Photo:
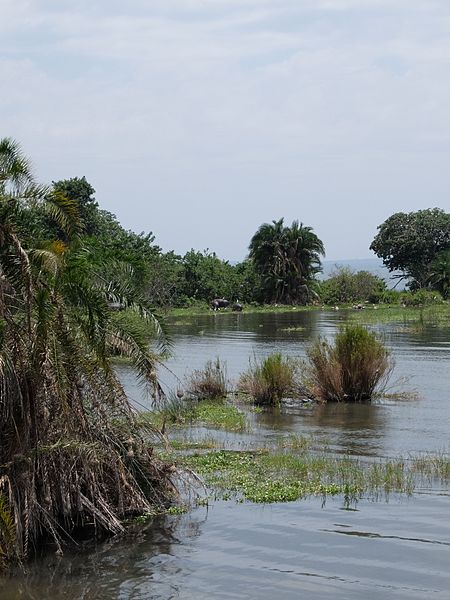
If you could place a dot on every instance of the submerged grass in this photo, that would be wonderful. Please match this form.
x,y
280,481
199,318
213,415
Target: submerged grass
x,y
418,317
218,414
208,383
271,379
265,476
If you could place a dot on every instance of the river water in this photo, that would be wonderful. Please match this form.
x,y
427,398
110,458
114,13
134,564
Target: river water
x,y
301,550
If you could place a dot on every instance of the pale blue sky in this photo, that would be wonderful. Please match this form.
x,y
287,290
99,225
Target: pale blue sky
x,y
201,119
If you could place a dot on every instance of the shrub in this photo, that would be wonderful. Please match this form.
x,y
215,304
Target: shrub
x,y
270,380
421,298
208,383
345,286
351,369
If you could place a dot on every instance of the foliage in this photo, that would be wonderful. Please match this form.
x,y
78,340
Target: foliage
x,y
352,369
206,276
72,453
420,298
79,191
287,260
411,242
218,414
265,476
439,277
270,380
208,383
7,532
345,286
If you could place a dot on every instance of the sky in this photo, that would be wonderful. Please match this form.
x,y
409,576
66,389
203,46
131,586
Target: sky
x,y
199,120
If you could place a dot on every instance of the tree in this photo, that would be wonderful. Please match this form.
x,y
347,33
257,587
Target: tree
x,y
346,286
287,260
410,242
439,278
206,276
71,451
80,191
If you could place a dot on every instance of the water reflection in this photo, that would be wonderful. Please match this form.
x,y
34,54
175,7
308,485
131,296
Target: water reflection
x,y
420,353
119,568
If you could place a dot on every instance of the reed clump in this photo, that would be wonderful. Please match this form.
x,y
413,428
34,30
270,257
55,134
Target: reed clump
x,y
353,368
208,383
270,380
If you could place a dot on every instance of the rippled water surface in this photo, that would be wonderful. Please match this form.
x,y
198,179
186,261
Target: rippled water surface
x,y
306,549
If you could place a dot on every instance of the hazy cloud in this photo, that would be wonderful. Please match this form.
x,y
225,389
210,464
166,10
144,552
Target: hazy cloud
x,y
200,119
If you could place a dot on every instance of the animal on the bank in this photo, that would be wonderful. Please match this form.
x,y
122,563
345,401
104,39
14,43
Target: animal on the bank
x,y
219,303
237,307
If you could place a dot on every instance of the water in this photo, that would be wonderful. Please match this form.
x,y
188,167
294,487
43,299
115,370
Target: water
x,y
307,549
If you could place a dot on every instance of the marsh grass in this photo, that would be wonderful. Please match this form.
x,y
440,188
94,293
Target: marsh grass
x,y
217,414
270,380
265,476
413,317
353,368
208,383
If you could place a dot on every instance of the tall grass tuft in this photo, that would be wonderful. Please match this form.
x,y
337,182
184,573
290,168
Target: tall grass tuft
x,y
208,383
270,380
352,369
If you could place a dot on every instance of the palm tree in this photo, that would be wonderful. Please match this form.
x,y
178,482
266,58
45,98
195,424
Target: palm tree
x,y
287,260
71,452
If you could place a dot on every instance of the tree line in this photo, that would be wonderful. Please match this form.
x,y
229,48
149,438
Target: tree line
x,y
281,267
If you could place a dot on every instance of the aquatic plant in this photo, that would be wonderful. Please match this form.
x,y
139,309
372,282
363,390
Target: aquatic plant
x,y
271,379
208,383
218,414
266,476
351,369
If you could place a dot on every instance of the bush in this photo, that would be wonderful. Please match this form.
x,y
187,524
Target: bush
x,y
352,369
420,298
208,383
271,380
345,286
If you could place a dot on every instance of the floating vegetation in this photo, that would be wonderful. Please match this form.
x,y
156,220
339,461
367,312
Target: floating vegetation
x,y
418,317
264,476
205,443
219,414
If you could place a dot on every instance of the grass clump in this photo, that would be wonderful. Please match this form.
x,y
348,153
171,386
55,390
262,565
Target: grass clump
x,y
270,380
352,369
218,414
208,383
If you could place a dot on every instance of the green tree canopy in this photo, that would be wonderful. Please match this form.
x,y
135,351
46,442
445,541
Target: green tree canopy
x,y
344,285
287,260
79,190
410,242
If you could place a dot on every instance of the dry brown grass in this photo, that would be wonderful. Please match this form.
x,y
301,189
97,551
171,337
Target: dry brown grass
x,y
352,369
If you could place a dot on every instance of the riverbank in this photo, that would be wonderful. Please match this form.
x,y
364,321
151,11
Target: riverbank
x,y
436,314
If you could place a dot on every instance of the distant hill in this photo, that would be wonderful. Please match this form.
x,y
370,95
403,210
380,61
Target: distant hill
x,y
373,265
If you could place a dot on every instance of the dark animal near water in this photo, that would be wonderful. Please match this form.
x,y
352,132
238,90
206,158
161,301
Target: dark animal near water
x,y
237,307
219,303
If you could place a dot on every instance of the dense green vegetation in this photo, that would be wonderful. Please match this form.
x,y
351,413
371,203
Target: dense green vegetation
x,y
72,453
417,244
77,289
287,259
